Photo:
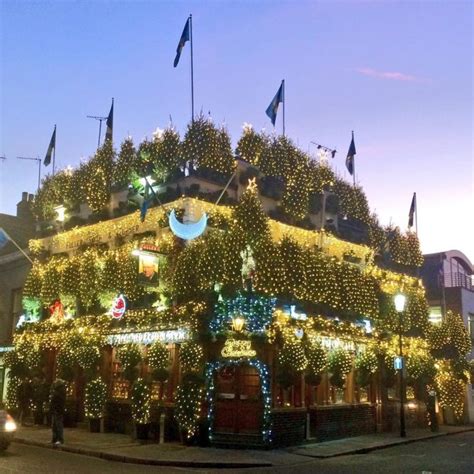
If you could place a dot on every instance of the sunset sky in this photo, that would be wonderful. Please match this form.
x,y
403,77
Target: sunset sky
x,y
397,73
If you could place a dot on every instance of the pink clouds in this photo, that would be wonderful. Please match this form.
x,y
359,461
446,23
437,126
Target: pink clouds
x,y
392,76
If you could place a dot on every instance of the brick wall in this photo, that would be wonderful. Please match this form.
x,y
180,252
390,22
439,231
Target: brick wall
x,y
415,415
341,421
288,426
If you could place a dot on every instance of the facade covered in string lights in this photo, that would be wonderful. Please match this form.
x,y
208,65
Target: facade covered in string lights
x,y
274,325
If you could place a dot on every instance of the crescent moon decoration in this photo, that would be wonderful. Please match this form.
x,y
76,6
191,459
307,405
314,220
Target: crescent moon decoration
x,y
187,231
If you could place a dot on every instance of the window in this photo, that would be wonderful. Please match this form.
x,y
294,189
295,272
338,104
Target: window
x,y
435,316
470,323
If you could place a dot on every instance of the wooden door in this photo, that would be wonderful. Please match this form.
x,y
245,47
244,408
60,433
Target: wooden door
x,y
238,400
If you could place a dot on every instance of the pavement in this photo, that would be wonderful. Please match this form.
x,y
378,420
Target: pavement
x,y
121,448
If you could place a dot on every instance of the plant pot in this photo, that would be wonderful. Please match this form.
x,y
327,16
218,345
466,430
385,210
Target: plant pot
x,y
142,431
94,425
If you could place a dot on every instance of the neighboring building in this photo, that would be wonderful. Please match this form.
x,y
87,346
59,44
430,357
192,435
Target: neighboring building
x,y
14,268
448,279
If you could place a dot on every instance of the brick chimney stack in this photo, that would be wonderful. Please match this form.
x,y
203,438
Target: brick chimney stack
x,y
23,208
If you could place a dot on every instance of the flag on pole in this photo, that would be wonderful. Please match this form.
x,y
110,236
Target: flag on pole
x,y
272,109
110,123
412,211
182,41
51,147
4,238
350,156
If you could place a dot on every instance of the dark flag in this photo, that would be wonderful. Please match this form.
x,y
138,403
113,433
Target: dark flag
x,y
51,147
412,211
350,156
182,41
110,123
272,109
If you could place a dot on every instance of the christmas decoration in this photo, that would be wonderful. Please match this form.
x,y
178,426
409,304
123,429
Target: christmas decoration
x,y
191,356
98,184
141,402
339,365
188,407
158,360
95,399
130,356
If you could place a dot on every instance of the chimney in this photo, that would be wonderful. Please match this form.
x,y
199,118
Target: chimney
x,y
23,208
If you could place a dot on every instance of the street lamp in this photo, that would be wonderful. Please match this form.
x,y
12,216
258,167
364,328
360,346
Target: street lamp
x,y
400,306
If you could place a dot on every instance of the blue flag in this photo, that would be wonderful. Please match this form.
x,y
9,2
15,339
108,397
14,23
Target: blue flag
x,y
110,123
182,41
4,238
51,147
272,109
350,156
412,211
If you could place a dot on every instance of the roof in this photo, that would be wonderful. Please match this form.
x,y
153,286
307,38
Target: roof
x,y
20,230
452,254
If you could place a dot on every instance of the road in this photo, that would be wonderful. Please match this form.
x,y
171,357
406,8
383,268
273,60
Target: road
x,y
450,454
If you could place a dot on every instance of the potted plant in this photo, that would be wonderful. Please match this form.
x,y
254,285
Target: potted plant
x,y
339,365
158,361
141,408
94,404
317,363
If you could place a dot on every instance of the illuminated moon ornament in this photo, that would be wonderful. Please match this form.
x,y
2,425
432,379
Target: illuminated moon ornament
x,y
187,231
119,306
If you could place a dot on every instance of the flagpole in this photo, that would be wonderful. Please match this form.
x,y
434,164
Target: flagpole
x,y
284,101
17,246
192,66
54,150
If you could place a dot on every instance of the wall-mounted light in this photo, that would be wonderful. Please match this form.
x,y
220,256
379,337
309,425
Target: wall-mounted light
x,y
61,212
238,323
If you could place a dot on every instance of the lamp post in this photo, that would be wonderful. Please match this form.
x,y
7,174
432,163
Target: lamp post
x,y
400,306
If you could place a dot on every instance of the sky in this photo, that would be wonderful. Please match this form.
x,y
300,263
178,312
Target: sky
x,y
400,74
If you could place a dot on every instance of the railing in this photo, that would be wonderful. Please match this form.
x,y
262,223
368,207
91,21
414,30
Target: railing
x,y
458,280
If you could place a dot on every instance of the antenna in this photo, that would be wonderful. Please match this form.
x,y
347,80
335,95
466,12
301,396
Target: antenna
x,y
38,160
100,119
332,151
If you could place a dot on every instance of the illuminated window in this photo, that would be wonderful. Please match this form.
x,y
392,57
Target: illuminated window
x,y
436,316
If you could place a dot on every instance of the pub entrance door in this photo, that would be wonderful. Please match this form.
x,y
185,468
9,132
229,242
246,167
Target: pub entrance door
x,y
238,400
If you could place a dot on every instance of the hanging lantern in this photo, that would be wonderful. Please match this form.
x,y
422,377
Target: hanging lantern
x,y
238,323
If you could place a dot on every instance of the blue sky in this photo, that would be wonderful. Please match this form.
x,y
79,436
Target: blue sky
x,y
397,73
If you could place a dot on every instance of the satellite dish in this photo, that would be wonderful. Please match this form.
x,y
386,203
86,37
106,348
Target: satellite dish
x,y
187,231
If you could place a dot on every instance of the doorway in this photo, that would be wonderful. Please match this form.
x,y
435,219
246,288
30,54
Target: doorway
x,y
238,400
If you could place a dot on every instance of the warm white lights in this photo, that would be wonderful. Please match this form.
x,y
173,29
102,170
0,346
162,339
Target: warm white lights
x,y
399,301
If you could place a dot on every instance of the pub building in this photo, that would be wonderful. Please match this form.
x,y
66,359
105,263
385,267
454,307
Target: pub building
x,y
219,323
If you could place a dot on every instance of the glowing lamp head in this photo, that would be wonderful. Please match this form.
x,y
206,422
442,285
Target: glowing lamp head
x,y
238,323
399,301
10,424
61,213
